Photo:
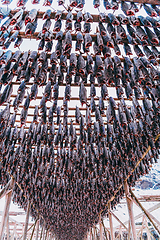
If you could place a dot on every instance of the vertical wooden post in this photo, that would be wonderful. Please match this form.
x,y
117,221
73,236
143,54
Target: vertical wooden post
x,y
26,222
41,232
110,221
6,210
145,212
130,210
8,226
100,228
33,229
46,234
14,231
37,229
94,233
121,234
129,230
105,232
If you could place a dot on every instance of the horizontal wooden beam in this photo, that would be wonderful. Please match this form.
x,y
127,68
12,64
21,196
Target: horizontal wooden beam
x,y
146,198
74,36
142,214
144,210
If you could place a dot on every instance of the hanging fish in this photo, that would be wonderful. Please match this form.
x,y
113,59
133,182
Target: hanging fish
x,y
17,17
6,24
47,3
127,9
138,51
134,7
61,2
67,41
149,10
113,20
131,31
4,12
88,18
80,3
102,29
79,16
18,42
117,49
114,5
77,26
6,57
123,20
14,36
107,4
73,3
35,1
57,26
135,21
152,36
46,26
21,3
111,30
31,27
31,17
149,54
96,3
102,17
69,17
87,27
127,49
81,65
144,21
141,33
48,47
82,94
154,22
155,7
121,31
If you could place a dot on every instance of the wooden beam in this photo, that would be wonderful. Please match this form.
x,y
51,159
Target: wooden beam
x,y
118,220
144,210
37,230
130,209
151,216
129,230
26,222
33,229
141,214
7,225
5,189
104,230
110,221
6,210
74,37
100,228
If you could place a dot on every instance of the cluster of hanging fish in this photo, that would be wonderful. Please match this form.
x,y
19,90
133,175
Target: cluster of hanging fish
x,y
132,79
120,30
73,172
128,8
69,177
67,168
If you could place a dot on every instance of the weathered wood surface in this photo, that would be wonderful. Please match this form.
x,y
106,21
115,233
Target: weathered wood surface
x,y
130,210
144,210
6,210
